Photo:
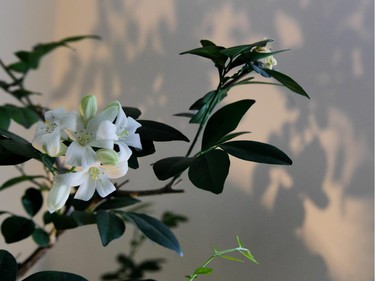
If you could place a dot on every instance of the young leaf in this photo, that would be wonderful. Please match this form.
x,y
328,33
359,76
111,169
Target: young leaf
x,y
8,266
54,276
287,82
16,228
170,167
41,237
209,171
224,121
203,270
110,226
32,201
155,231
256,152
156,131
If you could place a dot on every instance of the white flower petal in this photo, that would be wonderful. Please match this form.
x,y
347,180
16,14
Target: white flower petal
x,y
118,171
132,125
78,155
106,131
86,190
108,114
57,196
105,186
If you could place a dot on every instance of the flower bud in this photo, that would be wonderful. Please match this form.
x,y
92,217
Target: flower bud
x,y
107,156
88,107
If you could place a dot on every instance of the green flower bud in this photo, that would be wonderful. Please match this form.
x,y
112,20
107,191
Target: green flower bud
x,y
88,107
107,156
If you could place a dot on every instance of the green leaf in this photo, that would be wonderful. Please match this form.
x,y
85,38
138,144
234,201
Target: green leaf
x,y
41,237
16,228
224,121
203,270
156,131
24,116
155,231
211,52
172,220
117,203
17,180
54,276
247,254
8,266
132,112
32,201
4,118
203,100
256,152
110,226
287,82
205,42
172,166
209,171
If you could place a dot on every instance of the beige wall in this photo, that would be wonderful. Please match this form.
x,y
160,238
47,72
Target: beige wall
x,y
310,221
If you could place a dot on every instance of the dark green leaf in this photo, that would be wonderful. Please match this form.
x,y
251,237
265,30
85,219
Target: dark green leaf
x,y
231,136
170,167
211,52
54,276
203,100
24,116
209,171
32,201
156,131
62,222
224,121
84,218
4,118
41,237
8,266
236,50
9,158
258,68
132,112
287,82
205,43
31,59
184,114
117,203
155,231
110,226
256,152
17,180
200,116
21,93
16,228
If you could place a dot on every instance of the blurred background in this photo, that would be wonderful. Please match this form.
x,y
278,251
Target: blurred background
x,y
310,221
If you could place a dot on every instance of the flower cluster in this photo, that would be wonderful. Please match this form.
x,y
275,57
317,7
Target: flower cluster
x,y
95,145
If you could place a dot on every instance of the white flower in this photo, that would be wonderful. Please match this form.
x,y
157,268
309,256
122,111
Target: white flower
x,y
99,132
50,133
95,178
269,62
125,130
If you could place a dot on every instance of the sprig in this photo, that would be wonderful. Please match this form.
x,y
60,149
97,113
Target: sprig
x,y
225,254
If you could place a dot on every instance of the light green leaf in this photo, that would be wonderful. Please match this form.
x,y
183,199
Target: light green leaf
x,y
203,270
